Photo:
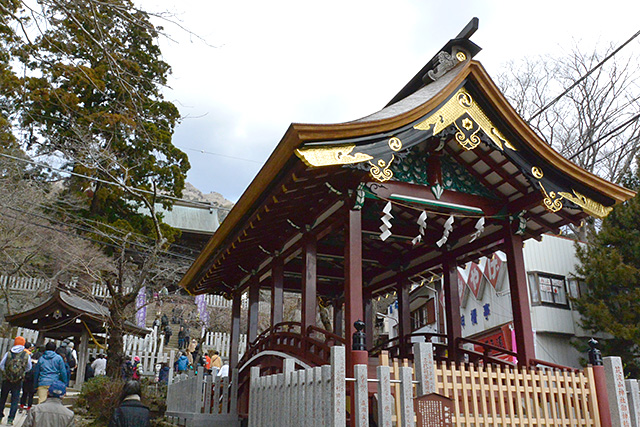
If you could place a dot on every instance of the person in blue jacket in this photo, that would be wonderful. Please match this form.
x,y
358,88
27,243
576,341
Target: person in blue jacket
x,y
50,368
181,364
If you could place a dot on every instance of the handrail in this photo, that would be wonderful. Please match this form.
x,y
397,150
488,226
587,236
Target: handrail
x,y
535,362
487,347
336,338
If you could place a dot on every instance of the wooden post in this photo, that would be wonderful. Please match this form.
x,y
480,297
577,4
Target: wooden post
x,y
309,283
519,296
452,306
235,330
83,358
353,279
404,317
368,320
338,315
252,318
277,290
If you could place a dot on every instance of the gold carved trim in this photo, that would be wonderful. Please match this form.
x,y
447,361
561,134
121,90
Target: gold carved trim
x,y
395,144
537,172
551,200
453,109
327,156
380,170
588,205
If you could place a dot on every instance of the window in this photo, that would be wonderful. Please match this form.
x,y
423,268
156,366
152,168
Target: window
x,y
423,315
577,287
548,289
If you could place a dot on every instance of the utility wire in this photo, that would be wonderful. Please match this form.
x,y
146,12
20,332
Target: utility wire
x,y
218,154
601,63
88,230
103,181
608,134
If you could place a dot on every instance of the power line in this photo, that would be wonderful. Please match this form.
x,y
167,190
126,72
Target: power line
x,y
218,154
103,181
88,230
601,63
608,134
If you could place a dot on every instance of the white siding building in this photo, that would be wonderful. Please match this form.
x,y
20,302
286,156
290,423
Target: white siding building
x,y
486,303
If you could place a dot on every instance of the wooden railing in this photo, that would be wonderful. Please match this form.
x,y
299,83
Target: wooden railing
x,y
402,348
312,347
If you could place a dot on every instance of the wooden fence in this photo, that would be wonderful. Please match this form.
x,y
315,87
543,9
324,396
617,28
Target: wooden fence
x,y
203,400
481,396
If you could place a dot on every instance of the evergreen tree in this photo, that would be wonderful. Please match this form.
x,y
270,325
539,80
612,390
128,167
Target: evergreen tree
x,y
95,98
610,266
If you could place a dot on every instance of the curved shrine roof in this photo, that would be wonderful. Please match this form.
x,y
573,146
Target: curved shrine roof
x,y
457,137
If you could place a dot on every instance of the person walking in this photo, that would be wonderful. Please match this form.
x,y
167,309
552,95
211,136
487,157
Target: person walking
x,y
181,336
89,372
137,369
28,386
216,360
167,334
100,365
50,368
181,364
14,366
131,412
51,413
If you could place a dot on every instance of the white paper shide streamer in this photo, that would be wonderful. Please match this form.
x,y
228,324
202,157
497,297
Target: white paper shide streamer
x,y
448,226
386,223
422,223
479,230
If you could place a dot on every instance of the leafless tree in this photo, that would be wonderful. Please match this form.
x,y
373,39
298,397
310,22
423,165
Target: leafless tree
x,y
592,125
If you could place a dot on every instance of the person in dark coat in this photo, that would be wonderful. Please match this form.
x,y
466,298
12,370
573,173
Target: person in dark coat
x,y
163,376
131,412
89,372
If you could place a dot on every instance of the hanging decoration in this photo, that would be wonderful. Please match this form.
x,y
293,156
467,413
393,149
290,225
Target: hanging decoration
x,y
385,228
422,223
479,230
448,226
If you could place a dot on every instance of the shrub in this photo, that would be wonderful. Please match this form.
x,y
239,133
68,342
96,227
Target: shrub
x,y
98,398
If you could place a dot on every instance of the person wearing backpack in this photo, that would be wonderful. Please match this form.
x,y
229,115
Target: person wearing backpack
x,y
50,368
14,366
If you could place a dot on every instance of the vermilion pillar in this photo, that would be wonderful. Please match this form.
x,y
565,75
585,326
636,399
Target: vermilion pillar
x,y
368,320
452,306
519,296
309,282
404,316
235,330
353,278
338,314
277,291
252,318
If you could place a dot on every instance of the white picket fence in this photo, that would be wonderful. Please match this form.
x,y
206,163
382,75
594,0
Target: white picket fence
x,y
203,399
218,301
221,341
24,283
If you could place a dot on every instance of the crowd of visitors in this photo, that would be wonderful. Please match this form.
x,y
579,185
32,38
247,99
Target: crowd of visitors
x,y
27,371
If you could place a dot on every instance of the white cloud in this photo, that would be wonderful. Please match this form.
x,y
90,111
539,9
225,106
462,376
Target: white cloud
x,y
323,62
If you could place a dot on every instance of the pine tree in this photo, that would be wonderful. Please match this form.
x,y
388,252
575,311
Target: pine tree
x,y
610,267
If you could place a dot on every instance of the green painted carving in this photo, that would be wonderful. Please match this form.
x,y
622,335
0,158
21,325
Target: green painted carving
x,y
413,169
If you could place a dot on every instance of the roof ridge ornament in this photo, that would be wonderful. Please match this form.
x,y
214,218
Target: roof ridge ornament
x,y
444,62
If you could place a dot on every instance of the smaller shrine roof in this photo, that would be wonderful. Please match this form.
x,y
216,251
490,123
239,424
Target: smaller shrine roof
x,y
65,314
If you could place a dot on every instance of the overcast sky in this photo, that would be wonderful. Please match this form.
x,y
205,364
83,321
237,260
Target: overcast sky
x,y
265,64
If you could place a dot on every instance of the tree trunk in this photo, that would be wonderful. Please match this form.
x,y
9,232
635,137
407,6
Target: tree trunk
x,y
115,350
